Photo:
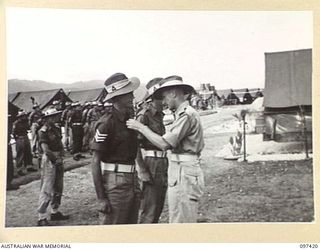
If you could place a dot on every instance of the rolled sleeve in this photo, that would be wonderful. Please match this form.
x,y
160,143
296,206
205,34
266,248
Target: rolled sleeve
x,y
178,131
43,138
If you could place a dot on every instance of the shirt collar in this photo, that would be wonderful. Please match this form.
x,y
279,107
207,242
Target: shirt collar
x,y
181,108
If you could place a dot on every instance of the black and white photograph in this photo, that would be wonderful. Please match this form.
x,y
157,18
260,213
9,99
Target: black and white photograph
x,y
158,116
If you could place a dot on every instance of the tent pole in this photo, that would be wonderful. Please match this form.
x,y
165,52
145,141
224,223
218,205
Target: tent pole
x,y
304,130
244,137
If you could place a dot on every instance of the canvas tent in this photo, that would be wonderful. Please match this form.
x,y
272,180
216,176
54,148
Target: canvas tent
x,y
287,95
87,95
44,97
12,110
13,96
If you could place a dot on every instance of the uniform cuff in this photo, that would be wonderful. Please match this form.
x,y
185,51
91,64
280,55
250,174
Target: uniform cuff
x,y
171,139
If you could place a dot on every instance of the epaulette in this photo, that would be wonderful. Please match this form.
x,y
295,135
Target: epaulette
x,y
182,112
44,128
142,111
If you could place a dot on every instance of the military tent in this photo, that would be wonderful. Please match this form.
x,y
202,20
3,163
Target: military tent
x,y
44,98
288,96
12,110
12,96
87,95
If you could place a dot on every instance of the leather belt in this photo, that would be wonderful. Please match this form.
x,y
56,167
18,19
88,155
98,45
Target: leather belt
x,y
116,167
183,157
21,136
155,153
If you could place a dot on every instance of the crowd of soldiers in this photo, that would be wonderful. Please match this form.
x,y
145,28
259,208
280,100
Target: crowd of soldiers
x,y
199,102
136,160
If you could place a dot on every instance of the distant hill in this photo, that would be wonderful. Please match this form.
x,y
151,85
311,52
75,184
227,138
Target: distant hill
x,y
17,85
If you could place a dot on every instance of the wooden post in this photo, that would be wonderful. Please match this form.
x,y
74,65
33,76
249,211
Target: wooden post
x,y
304,131
244,135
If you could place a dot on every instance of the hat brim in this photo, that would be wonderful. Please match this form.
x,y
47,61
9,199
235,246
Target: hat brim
x,y
187,89
52,114
134,83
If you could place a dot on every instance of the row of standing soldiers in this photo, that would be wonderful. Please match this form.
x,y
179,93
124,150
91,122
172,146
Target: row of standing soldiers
x,y
77,121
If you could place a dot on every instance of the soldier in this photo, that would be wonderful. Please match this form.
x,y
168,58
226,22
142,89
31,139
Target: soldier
x,y
33,118
107,108
152,162
93,116
258,94
64,123
10,166
232,98
77,130
88,120
247,97
86,128
114,153
52,169
69,114
23,148
185,139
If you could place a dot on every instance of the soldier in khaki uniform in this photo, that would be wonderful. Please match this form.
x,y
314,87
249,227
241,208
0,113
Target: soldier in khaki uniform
x,y
52,170
75,121
23,148
114,152
93,116
85,140
152,162
34,116
185,139
64,123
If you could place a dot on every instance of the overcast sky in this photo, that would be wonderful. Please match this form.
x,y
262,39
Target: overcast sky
x,y
225,49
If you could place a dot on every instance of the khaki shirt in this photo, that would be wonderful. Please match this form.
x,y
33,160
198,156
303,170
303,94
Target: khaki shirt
x,y
185,135
116,142
153,120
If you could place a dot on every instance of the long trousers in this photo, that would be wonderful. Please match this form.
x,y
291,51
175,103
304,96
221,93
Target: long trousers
x,y
10,166
51,183
86,137
122,190
153,195
185,187
34,127
77,135
23,148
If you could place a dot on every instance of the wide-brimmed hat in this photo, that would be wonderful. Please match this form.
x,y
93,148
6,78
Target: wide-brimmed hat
x,y
35,105
140,94
153,85
107,104
51,112
21,113
172,81
75,104
120,84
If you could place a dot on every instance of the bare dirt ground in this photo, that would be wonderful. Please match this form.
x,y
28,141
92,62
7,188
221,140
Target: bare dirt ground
x,y
280,191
